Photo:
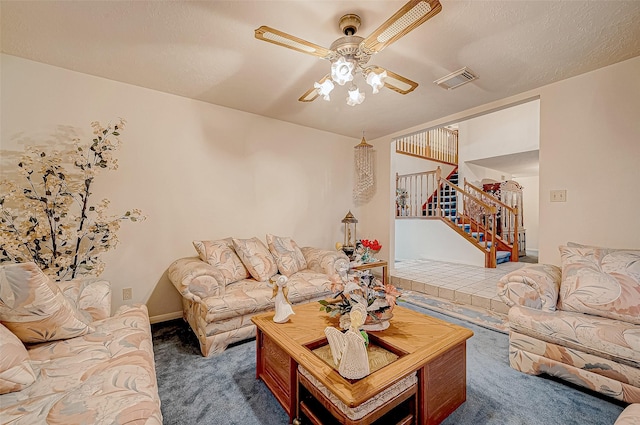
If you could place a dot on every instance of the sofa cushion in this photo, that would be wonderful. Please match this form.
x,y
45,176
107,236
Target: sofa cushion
x,y
16,372
256,258
89,295
601,281
250,297
34,308
287,254
220,254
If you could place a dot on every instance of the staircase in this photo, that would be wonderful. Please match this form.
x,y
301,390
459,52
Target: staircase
x,y
502,256
471,212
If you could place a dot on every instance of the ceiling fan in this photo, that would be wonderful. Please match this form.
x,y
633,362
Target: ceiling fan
x,y
350,54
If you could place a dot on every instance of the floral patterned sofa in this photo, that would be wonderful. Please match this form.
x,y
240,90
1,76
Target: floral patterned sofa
x,y
65,360
580,322
229,283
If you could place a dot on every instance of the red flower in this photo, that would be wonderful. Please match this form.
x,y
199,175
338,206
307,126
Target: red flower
x,y
374,245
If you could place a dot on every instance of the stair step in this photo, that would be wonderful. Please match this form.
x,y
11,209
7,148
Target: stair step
x,y
503,257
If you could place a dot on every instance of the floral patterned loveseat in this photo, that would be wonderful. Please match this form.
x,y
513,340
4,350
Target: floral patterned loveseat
x,y
580,322
230,282
66,360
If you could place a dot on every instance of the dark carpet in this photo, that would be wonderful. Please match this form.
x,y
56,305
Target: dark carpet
x,y
223,390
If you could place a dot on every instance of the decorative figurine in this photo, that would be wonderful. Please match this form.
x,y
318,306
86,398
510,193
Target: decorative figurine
x,y
349,349
283,306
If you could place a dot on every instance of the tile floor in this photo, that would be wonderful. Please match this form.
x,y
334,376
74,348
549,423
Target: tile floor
x,y
465,284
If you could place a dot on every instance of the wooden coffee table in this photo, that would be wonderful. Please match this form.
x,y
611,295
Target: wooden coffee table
x,y
433,348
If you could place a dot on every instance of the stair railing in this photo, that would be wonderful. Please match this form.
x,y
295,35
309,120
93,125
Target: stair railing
x,y
412,191
480,216
438,144
507,224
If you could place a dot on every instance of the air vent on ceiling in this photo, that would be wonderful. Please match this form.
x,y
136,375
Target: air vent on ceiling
x,y
456,79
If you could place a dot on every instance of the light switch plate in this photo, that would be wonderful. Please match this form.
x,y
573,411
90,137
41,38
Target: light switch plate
x,y
559,196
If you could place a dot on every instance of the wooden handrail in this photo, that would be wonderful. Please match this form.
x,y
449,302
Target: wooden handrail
x,y
415,174
510,216
482,231
484,204
490,196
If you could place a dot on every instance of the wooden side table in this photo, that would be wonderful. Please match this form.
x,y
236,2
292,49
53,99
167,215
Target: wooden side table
x,y
367,266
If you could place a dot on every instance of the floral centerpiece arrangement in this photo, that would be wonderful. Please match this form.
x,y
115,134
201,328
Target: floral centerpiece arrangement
x,y
353,287
45,211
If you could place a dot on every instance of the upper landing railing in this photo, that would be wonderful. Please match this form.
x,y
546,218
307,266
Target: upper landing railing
x,y
438,144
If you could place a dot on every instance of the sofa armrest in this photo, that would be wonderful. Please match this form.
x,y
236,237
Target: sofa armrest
x,y
92,296
535,286
322,260
630,415
195,279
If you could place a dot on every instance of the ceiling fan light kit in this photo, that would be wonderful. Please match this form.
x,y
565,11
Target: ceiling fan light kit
x,y
350,54
342,70
324,87
355,97
375,80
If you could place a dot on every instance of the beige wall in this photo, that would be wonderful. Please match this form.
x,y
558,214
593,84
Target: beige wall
x,y
589,145
198,171
203,171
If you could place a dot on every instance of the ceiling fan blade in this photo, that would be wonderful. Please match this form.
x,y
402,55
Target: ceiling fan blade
x,y
286,40
396,82
410,16
312,94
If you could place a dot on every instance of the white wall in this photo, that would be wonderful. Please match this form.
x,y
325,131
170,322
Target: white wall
x,y
589,133
198,171
414,241
503,132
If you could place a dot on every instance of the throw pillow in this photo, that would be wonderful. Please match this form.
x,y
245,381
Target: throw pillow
x,y
256,257
601,281
16,372
287,254
221,255
34,308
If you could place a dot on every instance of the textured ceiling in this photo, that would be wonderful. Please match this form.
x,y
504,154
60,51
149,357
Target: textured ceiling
x,y
207,51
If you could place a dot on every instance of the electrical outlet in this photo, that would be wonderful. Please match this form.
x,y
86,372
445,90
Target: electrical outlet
x,y
127,293
558,196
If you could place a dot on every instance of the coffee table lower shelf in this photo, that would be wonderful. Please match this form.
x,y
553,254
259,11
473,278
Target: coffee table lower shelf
x,y
314,408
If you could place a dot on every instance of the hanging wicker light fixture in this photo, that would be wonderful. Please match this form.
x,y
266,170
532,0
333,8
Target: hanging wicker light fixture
x,y
364,178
